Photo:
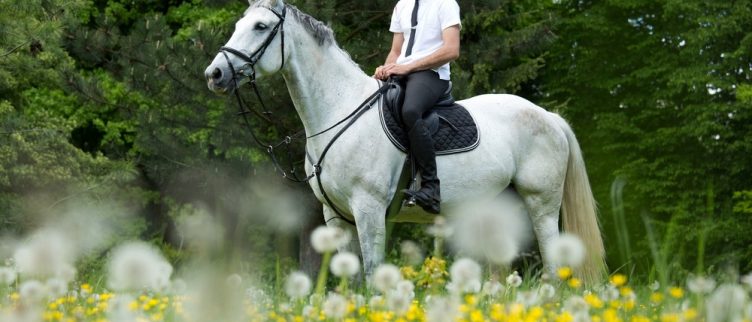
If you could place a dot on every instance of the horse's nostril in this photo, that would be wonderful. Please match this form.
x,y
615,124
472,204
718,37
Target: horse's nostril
x,y
216,73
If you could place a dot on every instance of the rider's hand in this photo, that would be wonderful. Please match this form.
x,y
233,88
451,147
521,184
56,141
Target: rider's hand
x,y
379,73
395,69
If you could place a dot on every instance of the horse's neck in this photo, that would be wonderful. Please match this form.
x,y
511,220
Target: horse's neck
x,y
325,85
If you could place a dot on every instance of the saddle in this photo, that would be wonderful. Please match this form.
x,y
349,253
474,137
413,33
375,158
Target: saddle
x,y
452,127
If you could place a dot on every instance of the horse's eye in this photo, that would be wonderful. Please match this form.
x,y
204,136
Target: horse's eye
x,y
260,26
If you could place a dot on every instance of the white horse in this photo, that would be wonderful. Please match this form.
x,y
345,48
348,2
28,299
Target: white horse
x,y
520,143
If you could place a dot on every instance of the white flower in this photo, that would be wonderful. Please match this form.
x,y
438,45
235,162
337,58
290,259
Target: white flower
x,y
307,310
359,300
655,286
335,306
327,239
406,287
385,277
45,254
376,302
514,280
492,288
465,274
201,230
411,253
56,287
610,293
32,291
441,309
547,291
494,230
747,280
566,250
440,228
234,280
726,303
7,276
297,285
398,302
345,264
528,298
700,285
576,304
138,265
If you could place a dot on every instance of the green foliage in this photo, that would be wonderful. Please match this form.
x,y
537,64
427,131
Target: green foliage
x,y
650,88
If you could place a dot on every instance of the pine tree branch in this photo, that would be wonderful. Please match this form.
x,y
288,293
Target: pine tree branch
x,y
15,48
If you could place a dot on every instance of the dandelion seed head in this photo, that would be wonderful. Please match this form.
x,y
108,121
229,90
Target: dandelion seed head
x,y
201,230
576,304
327,239
335,306
386,277
234,280
546,291
376,302
514,280
441,309
700,284
727,303
465,274
492,288
406,287
528,298
137,266
440,228
32,291
655,286
298,285
411,253
46,253
493,230
398,302
345,264
7,276
56,287
566,250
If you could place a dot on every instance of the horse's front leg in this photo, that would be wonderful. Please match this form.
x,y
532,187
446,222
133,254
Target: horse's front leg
x,y
333,220
370,219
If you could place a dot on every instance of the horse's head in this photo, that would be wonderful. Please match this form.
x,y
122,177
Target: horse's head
x,y
256,48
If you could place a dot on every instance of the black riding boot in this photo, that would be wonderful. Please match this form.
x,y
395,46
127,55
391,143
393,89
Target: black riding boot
x,y
421,147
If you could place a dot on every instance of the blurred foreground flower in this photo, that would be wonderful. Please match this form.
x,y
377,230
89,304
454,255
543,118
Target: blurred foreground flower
x,y
136,266
466,275
297,285
327,239
386,277
566,250
345,264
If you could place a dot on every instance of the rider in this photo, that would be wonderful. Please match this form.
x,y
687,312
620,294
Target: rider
x,y
426,38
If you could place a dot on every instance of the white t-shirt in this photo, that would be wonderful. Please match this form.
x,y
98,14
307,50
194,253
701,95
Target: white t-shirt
x,y
433,17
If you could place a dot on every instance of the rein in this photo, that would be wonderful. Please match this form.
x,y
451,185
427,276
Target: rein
x,y
270,148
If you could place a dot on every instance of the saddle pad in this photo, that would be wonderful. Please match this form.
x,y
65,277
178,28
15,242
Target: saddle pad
x,y
463,137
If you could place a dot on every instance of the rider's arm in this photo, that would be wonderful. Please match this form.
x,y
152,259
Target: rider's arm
x,y
447,53
397,41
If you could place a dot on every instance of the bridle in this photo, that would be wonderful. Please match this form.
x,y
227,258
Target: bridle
x,y
250,72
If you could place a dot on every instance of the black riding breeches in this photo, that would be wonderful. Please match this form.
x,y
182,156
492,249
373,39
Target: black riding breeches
x,y
422,90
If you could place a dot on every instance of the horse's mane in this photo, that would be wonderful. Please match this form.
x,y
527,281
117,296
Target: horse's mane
x,y
317,29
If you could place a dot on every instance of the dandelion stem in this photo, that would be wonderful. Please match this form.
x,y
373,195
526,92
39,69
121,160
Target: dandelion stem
x,y
323,272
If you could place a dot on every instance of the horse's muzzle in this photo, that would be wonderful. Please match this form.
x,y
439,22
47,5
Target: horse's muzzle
x,y
218,79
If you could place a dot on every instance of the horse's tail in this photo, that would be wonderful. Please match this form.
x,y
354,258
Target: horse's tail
x,y
579,210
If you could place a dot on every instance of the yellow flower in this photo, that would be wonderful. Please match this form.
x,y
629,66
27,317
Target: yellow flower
x,y
408,272
670,317
656,298
476,316
564,273
676,292
618,280
690,314
574,282
639,318
594,301
564,317
471,300
626,291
